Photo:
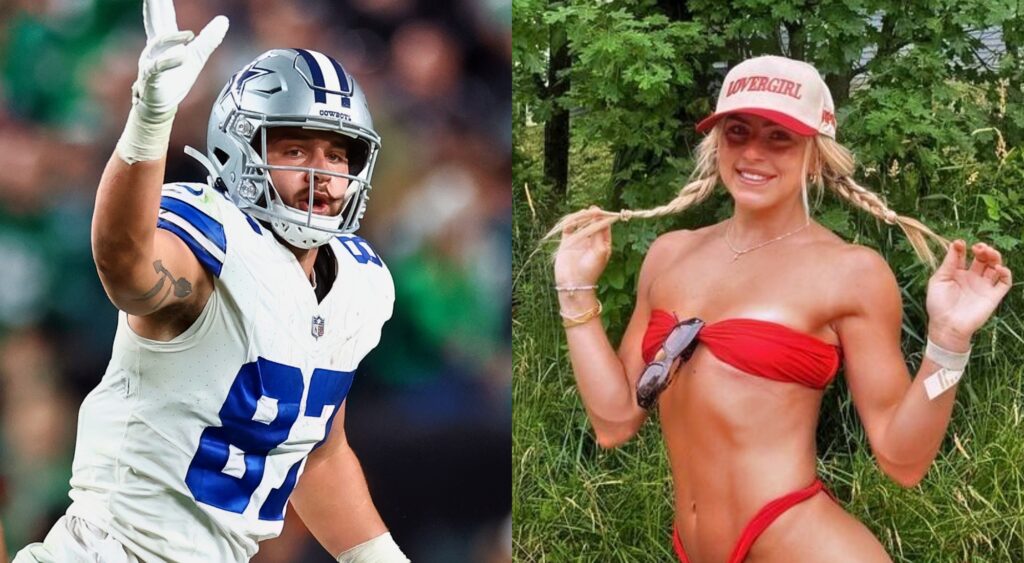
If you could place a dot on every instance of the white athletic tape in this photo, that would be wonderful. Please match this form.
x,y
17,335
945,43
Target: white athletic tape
x,y
941,381
381,549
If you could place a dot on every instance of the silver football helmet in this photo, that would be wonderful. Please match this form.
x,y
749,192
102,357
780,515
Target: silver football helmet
x,y
290,88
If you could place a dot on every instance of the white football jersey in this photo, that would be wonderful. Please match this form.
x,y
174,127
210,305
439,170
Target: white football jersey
x,y
189,449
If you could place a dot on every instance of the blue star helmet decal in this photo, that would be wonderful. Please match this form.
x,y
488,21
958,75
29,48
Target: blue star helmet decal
x,y
245,75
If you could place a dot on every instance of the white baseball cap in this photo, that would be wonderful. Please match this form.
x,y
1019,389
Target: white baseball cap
x,y
788,92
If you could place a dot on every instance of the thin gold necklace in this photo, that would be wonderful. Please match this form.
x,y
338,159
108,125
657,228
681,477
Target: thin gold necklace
x,y
737,253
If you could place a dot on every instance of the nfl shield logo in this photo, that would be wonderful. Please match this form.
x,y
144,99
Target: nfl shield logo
x,y
318,327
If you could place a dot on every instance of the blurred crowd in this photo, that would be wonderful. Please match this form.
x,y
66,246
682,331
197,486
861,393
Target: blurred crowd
x,y
430,413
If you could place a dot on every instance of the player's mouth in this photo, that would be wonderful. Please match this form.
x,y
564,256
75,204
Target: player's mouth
x,y
753,177
321,204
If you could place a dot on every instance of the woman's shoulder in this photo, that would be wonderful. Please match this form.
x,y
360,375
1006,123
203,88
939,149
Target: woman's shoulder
x,y
664,250
854,277
674,243
852,259
669,248
861,273
845,256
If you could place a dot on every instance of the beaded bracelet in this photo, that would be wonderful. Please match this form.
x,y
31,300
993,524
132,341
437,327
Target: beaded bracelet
x,y
572,289
584,317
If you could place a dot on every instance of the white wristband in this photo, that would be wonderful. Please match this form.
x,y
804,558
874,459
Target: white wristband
x,y
951,369
953,361
145,136
381,549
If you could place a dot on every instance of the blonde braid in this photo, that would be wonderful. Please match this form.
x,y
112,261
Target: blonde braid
x,y
702,184
837,173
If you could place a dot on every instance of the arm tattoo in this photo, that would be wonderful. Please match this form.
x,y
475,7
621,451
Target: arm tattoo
x,y
180,287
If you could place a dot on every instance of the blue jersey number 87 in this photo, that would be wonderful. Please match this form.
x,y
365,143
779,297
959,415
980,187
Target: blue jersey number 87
x,y
257,416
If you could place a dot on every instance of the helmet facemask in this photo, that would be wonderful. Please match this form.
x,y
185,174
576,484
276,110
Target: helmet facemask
x,y
257,195
291,88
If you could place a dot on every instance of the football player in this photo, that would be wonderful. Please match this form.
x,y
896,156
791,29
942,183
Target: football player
x,y
246,304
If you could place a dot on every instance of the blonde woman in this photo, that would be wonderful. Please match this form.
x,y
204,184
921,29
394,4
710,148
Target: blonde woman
x,y
741,325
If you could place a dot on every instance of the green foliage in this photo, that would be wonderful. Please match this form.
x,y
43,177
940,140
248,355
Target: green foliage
x,y
627,67
936,133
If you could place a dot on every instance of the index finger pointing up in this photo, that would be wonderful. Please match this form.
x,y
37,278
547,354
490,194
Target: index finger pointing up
x,y
159,18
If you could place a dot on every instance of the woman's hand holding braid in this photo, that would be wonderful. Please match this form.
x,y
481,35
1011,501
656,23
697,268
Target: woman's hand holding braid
x,y
581,260
961,299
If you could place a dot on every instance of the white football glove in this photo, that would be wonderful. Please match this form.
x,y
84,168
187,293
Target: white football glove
x,y
168,67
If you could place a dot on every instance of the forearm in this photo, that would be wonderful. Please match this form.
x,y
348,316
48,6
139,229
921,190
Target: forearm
x,y
600,376
124,228
919,424
127,204
128,197
333,501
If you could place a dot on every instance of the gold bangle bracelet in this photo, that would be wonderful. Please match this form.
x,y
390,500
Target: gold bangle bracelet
x,y
571,321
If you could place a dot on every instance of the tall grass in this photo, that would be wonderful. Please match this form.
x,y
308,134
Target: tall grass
x,y
571,501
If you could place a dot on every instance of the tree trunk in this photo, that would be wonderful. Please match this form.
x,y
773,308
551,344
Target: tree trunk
x,y
839,86
797,41
556,129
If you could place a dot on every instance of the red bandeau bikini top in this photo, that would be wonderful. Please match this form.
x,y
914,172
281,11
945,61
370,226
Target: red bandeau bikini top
x,y
760,348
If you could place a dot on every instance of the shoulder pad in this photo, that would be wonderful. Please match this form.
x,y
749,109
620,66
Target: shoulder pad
x,y
358,250
201,196
193,213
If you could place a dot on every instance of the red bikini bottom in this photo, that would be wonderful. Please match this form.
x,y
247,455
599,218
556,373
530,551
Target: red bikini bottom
x,y
760,522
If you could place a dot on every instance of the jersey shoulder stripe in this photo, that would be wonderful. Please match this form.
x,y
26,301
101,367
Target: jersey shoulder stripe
x,y
211,262
193,215
211,229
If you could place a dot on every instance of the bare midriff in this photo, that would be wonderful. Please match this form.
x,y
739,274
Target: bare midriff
x,y
735,442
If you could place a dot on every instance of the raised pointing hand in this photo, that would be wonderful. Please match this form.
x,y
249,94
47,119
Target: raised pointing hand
x,y
172,59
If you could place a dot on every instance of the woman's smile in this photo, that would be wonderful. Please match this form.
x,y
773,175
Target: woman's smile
x,y
753,177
